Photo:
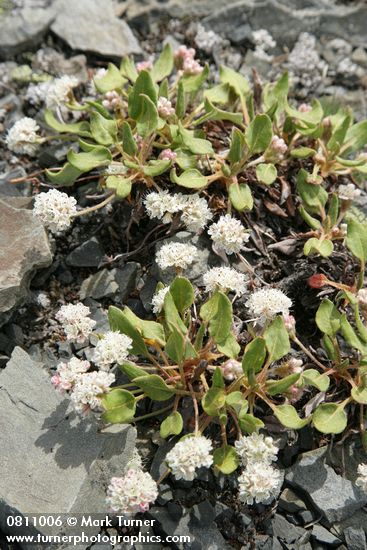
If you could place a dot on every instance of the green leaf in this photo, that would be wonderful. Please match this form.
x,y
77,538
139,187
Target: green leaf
x,y
287,415
357,239
197,146
312,377
213,401
309,118
209,309
266,173
154,387
230,347
218,94
277,339
359,395
175,347
240,196
65,177
128,142
180,101
303,152
172,425
156,167
143,87
324,247
220,325
172,316
275,96
226,459
312,222
182,293
80,128
350,336
275,387
147,120
118,321
249,423
131,370
121,185
259,134
254,356
330,418
85,162
357,136
120,406
236,400
104,131
193,83
237,81
237,148
150,330
217,380
328,318
191,179
127,68
112,80
214,113
164,64
314,196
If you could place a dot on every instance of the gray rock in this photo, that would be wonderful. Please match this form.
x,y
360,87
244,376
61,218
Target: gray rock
x,y
332,495
322,535
290,502
53,62
83,26
88,254
24,249
356,521
107,283
13,189
346,457
355,538
285,531
24,28
58,462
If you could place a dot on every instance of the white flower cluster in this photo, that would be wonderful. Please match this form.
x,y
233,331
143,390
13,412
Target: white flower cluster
x,y
88,390
167,154
225,279
59,91
68,373
228,234
263,42
188,455
144,65
259,482
112,348
36,93
54,209
132,493
304,62
361,480
186,60
348,192
178,255
165,108
158,299
231,370
75,321
266,303
195,212
207,40
43,300
111,100
278,145
22,137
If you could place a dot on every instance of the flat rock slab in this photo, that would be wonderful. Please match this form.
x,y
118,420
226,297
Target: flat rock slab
x,y
332,495
24,249
92,26
51,460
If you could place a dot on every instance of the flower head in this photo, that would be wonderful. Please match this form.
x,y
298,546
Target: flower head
x,y
305,108
112,100
165,108
192,67
266,303
163,205
183,52
68,373
362,478
228,234
259,483
348,192
195,212
22,137
59,91
54,209
278,145
188,454
88,390
168,154
75,321
144,66
158,299
295,365
362,297
132,493
256,448
289,323
224,279
231,370
112,348
178,255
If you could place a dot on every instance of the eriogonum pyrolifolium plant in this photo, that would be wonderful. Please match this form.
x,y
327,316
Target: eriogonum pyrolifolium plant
x,y
196,154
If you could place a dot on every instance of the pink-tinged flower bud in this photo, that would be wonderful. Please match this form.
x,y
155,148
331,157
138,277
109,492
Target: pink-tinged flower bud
x,y
362,297
184,53
231,370
165,108
295,393
55,380
295,365
317,281
168,154
289,323
144,66
278,145
304,108
192,67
